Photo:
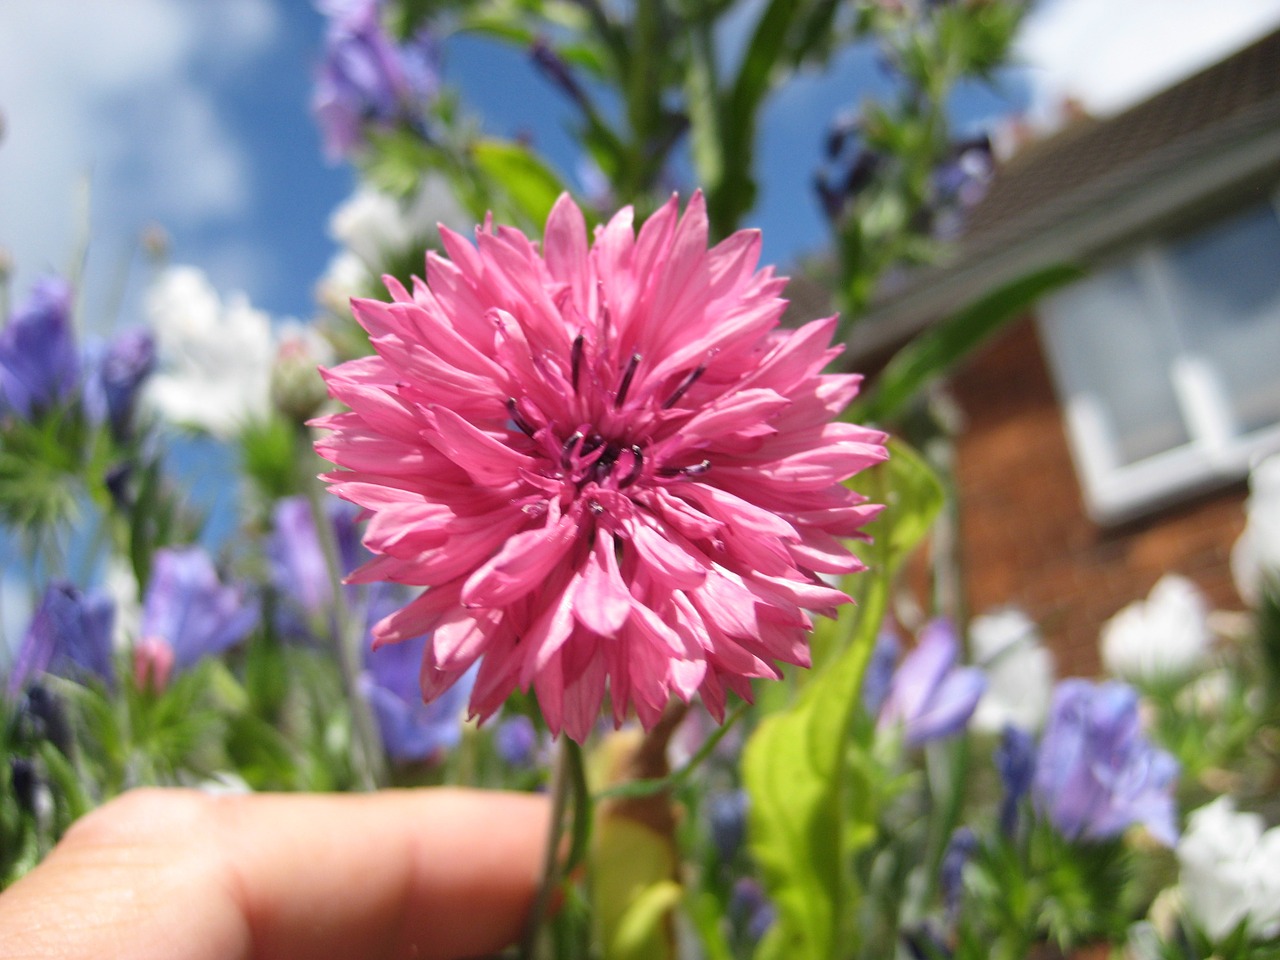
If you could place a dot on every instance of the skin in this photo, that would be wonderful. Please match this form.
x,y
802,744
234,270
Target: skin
x,y
181,875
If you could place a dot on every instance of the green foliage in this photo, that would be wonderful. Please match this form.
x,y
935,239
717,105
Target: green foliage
x,y
529,183
811,806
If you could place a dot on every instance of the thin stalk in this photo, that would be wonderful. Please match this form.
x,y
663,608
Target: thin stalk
x,y
348,636
562,778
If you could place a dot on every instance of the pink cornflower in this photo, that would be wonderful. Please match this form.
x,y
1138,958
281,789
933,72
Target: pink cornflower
x,y
607,465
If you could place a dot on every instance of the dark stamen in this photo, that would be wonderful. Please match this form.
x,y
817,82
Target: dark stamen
x,y
566,452
689,381
696,470
518,418
623,387
576,360
637,466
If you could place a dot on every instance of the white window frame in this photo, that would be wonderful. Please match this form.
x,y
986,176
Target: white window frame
x,y
1216,454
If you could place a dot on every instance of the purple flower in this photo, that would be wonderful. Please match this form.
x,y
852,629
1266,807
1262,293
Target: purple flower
x,y
751,909
727,813
366,77
412,731
516,741
1096,773
930,697
188,612
1015,760
112,391
297,563
69,636
39,365
879,673
960,850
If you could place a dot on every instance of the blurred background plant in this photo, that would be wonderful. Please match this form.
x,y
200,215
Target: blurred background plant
x,y
933,797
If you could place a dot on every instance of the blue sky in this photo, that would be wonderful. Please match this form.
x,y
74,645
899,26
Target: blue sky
x,y
194,115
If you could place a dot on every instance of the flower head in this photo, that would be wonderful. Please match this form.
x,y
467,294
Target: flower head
x,y
1096,773
1229,871
111,393
188,610
366,76
1006,644
1255,558
69,636
39,360
412,731
609,468
1165,637
930,697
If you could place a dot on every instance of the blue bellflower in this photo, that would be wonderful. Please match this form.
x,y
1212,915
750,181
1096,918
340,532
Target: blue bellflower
x,y
412,731
516,741
1096,773
69,636
39,363
367,77
1015,760
111,393
190,611
298,569
931,697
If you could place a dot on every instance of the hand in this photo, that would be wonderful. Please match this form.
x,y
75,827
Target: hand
x,y
181,875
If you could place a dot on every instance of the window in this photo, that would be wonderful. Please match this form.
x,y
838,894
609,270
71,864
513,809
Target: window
x,y
1169,364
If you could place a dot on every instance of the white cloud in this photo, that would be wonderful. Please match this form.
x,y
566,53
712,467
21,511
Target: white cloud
x,y
1110,55
110,91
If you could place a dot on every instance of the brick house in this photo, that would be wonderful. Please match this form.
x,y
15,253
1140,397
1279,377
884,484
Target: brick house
x,y
1106,439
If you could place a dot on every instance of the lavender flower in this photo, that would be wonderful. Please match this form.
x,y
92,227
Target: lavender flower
x,y
1015,760
930,697
39,363
113,387
366,77
69,636
879,673
516,741
727,812
188,614
960,850
412,731
1096,773
751,909
297,563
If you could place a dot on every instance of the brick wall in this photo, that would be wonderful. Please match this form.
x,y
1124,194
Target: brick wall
x,y
1025,538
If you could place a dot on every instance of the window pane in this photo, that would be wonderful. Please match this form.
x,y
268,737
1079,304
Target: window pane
x,y
1108,342
1227,297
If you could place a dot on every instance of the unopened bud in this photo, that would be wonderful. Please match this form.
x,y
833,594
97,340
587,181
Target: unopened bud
x,y
297,391
152,664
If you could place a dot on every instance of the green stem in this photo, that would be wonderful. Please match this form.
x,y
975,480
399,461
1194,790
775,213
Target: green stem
x,y
568,759
348,636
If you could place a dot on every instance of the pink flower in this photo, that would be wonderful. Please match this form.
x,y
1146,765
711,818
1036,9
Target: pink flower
x,y
605,462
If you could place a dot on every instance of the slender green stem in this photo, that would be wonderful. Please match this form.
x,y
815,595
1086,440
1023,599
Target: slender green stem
x,y
568,756
348,636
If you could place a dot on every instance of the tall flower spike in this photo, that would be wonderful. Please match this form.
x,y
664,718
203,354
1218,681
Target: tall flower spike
x,y
608,467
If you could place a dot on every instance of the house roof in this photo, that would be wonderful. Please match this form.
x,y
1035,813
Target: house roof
x,y
1101,183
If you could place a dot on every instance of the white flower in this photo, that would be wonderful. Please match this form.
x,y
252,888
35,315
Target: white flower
x,y
1229,870
345,277
1257,552
1165,637
1006,645
376,226
215,358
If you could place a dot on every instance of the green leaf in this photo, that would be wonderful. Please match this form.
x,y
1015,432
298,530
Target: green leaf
x,y
930,355
809,807
529,183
